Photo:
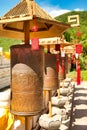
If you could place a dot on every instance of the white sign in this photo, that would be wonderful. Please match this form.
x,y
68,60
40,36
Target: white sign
x,y
74,19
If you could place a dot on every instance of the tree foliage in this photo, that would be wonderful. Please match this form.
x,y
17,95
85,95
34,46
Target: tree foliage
x,y
73,31
70,34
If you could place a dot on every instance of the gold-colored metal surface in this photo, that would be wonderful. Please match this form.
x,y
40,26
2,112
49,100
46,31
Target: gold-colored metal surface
x,y
26,80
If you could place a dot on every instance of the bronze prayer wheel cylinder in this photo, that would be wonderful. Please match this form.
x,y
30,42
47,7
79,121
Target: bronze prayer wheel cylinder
x,y
26,80
62,75
50,73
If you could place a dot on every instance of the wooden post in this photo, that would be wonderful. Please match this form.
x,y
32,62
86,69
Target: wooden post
x,y
45,96
28,123
27,39
63,84
50,109
58,91
50,94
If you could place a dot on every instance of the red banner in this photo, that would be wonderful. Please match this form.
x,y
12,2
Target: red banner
x,y
35,43
78,75
79,48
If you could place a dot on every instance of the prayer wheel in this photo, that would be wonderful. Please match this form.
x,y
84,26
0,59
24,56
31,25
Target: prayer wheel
x,y
26,80
50,73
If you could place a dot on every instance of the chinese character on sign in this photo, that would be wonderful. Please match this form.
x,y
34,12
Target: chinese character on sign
x,y
74,19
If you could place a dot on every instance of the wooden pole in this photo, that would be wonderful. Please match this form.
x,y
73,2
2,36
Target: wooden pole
x,y
50,94
26,32
50,104
50,109
58,91
63,84
28,123
46,97
27,39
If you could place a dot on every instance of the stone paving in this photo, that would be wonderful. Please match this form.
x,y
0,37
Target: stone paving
x,y
79,116
4,73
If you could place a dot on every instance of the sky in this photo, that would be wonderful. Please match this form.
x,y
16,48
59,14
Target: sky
x,y
52,7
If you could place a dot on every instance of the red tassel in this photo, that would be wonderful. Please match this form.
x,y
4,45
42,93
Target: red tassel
x,y
63,66
35,43
57,63
78,75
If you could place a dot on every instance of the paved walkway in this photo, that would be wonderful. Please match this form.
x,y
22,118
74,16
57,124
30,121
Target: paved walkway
x,y
80,107
4,73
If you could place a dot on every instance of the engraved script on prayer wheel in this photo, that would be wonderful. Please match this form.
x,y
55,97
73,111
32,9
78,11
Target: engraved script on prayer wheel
x,y
26,80
50,74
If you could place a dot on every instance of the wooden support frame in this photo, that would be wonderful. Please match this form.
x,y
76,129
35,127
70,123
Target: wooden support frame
x,y
74,19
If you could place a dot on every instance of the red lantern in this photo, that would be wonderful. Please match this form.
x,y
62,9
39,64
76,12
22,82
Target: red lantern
x,y
78,34
35,28
79,48
35,43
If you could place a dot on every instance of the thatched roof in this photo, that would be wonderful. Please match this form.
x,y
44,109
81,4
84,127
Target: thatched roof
x,y
24,9
12,23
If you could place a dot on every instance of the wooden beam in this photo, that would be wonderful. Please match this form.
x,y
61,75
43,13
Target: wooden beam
x,y
74,19
10,19
11,34
40,34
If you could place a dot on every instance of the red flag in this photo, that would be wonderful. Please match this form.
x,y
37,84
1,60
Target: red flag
x,y
78,75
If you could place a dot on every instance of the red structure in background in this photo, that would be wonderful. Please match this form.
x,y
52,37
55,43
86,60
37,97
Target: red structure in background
x,y
63,67
57,48
78,74
78,51
79,48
